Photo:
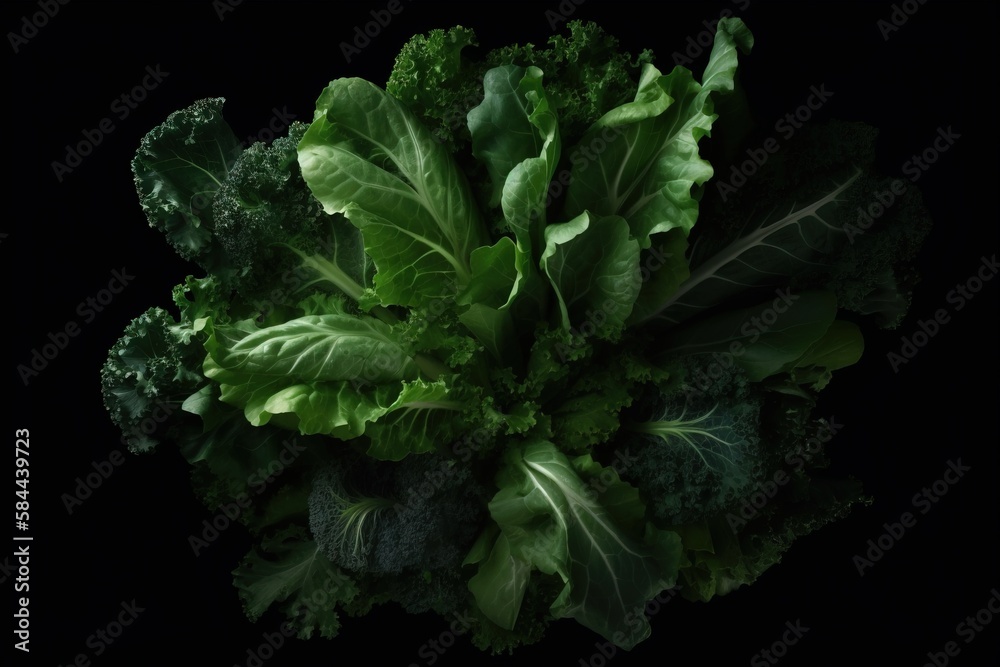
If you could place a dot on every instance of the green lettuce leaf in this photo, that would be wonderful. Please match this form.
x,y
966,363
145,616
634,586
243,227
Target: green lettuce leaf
x,y
366,156
593,266
610,560
766,256
640,160
772,337
420,420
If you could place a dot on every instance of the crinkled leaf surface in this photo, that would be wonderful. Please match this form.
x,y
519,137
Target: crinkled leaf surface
x,y
641,160
178,168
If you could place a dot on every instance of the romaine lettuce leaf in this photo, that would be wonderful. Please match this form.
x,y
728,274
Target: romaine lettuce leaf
x,y
368,157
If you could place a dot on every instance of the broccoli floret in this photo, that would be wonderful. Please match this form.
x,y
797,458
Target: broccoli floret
x,y
440,514
275,234
178,168
444,590
699,448
420,515
345,525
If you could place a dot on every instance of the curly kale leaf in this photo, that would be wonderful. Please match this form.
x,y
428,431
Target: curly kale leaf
x,y
178,168
586,72
276,236
291,569
147,377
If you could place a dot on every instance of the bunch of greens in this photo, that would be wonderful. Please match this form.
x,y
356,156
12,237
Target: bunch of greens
x,y
455,347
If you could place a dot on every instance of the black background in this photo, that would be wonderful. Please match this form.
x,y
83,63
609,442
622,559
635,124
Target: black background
x,y
129,540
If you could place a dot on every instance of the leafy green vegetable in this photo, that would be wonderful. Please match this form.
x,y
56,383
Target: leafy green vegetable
x,y
178,168
611,561
368,157
451,348
298,575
